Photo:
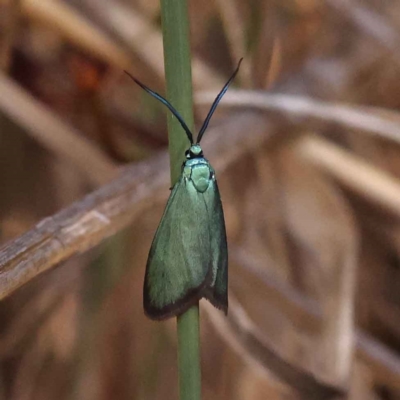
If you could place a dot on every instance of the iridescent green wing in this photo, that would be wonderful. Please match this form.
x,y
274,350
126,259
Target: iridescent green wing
x,y
217,292
179,267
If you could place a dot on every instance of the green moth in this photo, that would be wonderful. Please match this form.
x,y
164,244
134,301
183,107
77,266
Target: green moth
x,y
188,259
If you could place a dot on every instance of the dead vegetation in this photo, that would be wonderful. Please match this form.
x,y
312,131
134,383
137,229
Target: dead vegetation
x,y
306,148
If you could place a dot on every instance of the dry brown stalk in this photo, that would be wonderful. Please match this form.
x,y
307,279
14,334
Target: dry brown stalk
x,y
107,210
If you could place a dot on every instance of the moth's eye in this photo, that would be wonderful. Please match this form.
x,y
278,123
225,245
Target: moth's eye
x,y
187,154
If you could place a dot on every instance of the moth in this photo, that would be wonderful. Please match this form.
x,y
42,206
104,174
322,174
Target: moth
x,y
188,258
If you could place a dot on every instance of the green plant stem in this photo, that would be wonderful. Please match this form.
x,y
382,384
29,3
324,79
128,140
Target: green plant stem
x,y
178,74
189,354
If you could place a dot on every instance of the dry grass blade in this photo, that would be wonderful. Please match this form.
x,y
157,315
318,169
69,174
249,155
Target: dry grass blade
x,y
267,56
370,23
77,30
364,179
30,321
29,372
303,312
39,310
12,16
275,64
52,133
145,40
384,365
322,252
380,122
326,257
356,174
234,25
104,212
257,346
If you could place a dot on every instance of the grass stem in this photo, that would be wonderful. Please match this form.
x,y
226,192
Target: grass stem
x,y
175,23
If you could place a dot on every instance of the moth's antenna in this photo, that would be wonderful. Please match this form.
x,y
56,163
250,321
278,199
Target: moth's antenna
x,y
166,103
216,101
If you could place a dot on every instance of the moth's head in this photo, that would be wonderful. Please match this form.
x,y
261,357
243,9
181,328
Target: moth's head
x,y
195,151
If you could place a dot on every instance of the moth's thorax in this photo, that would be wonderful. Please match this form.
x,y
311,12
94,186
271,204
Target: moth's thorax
x,y
199,171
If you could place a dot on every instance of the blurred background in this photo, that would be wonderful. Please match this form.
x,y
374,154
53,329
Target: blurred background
x,y
306,149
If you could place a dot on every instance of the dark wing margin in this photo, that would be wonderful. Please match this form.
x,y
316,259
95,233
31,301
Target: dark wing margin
x,y
217,292
178,269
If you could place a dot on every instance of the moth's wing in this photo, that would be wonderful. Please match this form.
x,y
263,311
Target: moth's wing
x,y
217,292
178,268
